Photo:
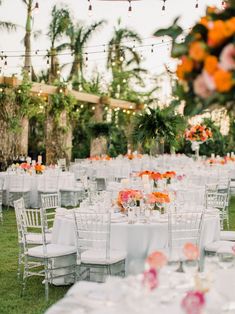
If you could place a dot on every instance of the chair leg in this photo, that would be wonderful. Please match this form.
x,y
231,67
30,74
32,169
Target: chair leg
x,y
25,276
46,268
109,271
19,262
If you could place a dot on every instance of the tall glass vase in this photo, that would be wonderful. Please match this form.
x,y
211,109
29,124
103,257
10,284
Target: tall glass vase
x,y
196,148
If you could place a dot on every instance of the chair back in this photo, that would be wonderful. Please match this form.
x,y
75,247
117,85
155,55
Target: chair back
x,y
184,227
93,232
216,200
49,204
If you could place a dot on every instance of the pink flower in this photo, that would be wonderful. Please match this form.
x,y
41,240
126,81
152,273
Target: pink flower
x,y
227,58
193,302
209,81
200,87
150,278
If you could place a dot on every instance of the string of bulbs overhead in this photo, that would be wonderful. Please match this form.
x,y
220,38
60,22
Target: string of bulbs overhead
x,y
164,5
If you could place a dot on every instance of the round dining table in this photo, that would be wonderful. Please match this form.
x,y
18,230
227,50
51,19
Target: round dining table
x,y
138,240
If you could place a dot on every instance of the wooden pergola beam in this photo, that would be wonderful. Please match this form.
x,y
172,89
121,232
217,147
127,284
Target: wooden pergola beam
x,y
80,96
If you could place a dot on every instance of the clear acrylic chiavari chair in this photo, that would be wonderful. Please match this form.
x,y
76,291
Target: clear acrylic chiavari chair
x,y
183,227
93,245
40,260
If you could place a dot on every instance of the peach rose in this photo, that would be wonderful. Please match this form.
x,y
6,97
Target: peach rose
x,y
227,58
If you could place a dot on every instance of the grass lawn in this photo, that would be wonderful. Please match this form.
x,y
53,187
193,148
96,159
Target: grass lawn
x,y
34,300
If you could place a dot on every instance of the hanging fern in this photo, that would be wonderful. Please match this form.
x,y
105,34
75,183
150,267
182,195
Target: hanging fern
x,y
158,123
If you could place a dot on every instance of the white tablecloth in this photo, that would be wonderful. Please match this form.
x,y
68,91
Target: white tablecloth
x,y
35,182
138,240
127,296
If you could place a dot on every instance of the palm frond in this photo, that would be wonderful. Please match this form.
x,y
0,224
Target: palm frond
x,y
8,26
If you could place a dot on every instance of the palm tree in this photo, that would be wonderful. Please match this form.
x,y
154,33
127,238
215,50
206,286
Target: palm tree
x,y
123,60
79,35
59,23
31,5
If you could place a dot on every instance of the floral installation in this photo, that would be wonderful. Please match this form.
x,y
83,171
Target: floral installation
x,y
156,260
126,196
29,168
206,72
193,302
198,133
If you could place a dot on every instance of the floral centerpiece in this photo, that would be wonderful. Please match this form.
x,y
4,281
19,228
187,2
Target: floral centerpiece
x,y
197,135
154,175
126,196
206,70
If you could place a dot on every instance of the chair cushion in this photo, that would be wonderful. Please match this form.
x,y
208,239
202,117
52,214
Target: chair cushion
x,y
227,235
99,257
19,190
217,245
36,238
52,250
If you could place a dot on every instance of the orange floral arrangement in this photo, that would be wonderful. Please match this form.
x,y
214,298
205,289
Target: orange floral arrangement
x,y
39,168
106,157
206,69
198,133
161,197
157,175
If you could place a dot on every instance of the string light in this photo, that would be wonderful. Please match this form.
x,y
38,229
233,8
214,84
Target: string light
x,y
164,5
129,8
89,8
36,8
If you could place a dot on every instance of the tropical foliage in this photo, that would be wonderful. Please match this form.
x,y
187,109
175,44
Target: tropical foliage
x,y
159,124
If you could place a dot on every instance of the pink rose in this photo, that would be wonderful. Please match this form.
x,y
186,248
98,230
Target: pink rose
x,y
209,81
200,87
193,302
150,279
227,58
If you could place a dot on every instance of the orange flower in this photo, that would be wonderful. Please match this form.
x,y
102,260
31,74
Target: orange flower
x,y
230,27
197,51
223,81
156,260
156,176
204,21
185,67
211,64
217,34
169,174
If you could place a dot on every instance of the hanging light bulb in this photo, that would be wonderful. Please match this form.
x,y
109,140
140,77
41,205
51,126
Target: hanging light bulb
x,y
164,5
90,8
196,5
129,9
36,8
5,65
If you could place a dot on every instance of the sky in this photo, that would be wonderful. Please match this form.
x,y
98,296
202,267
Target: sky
x,y
146,18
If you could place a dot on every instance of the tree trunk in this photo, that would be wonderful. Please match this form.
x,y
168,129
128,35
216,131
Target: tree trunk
x,y
99,146
27,41
58,138
54,73
24,136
